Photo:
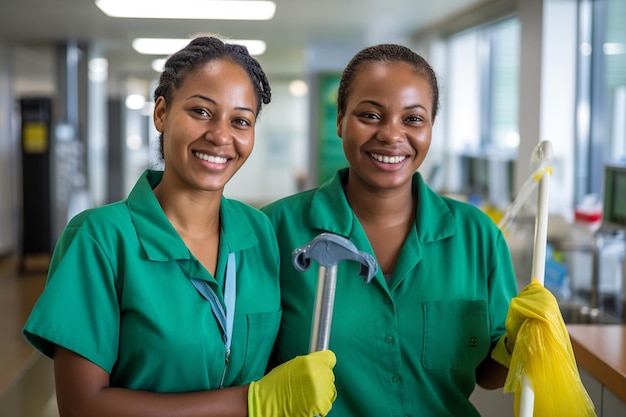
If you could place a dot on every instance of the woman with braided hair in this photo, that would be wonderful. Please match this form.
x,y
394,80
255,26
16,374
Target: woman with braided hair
x,y
167,303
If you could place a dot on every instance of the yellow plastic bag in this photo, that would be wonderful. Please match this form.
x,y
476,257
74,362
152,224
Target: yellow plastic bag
x,y
543,352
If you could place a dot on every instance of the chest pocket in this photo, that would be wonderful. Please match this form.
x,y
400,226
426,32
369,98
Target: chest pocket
x,y
456,334
262,331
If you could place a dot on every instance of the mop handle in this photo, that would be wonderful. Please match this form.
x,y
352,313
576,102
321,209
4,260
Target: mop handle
x,y
324,301
527,396
328,250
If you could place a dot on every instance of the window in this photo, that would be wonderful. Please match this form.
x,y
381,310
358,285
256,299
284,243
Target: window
x,y
503,86
481,108
607,136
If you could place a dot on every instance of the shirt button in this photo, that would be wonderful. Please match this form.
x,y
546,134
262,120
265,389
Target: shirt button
x,y
387,300
389,339
396,379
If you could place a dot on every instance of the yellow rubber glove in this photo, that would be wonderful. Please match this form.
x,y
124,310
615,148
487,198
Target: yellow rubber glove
x,y
534,301
301,387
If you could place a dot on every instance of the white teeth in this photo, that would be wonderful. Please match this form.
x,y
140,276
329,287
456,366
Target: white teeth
x,y
211,158
388,159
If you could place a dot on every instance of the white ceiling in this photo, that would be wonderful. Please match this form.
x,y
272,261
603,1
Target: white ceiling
x,y
297,26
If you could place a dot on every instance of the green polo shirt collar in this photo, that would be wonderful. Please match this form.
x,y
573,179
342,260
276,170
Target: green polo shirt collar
x,y
331,195
158,237
433,222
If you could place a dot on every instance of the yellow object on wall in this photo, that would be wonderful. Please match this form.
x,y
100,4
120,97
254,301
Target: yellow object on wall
x,y
35,137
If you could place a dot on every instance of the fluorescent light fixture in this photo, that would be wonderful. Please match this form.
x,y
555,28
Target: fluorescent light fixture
x,y
167,46
614,49
98,69
135,101
189,9
158,64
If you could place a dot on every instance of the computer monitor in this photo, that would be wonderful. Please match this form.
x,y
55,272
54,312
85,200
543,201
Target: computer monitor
x,y
614,199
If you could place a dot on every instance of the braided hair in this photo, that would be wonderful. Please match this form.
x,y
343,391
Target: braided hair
x,y
386,53
202,50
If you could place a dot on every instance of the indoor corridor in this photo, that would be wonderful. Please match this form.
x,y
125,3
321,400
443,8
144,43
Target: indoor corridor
x,y
26,377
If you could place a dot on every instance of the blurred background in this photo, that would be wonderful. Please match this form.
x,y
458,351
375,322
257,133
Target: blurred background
x,y
76,128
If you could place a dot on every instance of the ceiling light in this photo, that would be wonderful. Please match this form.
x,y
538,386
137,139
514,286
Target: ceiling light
x,y
614,48
98,69
298,88
135,101
162,46
158,64
189,9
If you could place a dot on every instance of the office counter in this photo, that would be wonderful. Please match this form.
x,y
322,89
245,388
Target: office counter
x,y
600,352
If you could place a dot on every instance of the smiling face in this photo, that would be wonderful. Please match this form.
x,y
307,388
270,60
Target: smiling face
x,y
207,126
387,125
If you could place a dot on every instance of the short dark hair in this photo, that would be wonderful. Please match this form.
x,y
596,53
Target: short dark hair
x,y
386,53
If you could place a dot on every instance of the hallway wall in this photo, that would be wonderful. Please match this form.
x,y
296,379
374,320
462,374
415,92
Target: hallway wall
x,y
8,153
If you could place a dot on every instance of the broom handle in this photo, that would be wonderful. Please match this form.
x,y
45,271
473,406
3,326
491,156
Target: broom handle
x,y
541,224
527,397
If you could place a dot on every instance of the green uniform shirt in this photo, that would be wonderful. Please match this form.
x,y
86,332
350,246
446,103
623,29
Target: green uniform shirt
x,y
119,294
410,347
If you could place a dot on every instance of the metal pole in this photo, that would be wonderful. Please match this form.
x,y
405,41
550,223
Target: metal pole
x,y
324,303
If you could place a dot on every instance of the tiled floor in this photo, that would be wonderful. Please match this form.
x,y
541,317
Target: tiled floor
x,y
26,377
